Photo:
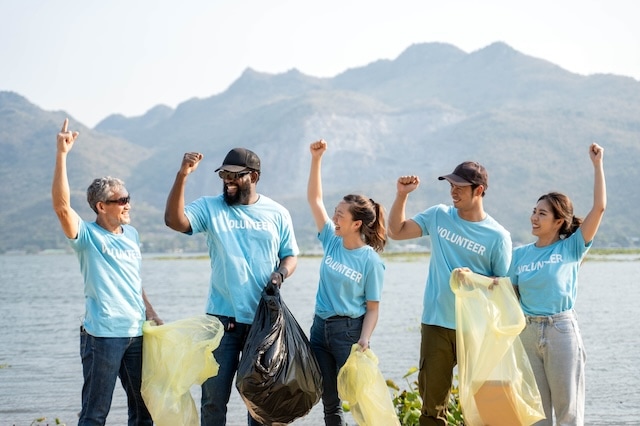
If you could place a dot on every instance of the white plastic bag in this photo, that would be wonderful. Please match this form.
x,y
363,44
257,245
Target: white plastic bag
x,y
496,382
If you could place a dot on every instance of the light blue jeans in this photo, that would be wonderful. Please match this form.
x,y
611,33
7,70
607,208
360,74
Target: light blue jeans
x,y
104,359
331,342
556,352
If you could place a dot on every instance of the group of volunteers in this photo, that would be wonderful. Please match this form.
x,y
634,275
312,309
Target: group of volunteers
x,y
251,242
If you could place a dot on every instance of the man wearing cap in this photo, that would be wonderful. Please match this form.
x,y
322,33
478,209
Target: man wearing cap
x,y
462,235
251,241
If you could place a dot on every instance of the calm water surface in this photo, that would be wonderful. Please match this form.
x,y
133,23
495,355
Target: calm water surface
x,y
41,305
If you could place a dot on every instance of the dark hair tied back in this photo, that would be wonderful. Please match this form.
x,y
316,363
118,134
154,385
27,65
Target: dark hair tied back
x,y
372,216
562,208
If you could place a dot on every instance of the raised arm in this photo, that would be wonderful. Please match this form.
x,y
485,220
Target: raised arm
x,y
314,186
60,193
591,222
174,216
399,228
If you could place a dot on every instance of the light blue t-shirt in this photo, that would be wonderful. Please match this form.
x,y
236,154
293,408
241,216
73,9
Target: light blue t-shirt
x,y
484,247
348,278
110,265
246,244
547,277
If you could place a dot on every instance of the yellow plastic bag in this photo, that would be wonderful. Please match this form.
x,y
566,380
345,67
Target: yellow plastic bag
x,y
361,383
496,382
176,356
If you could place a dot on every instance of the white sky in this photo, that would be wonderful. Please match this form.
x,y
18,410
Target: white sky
x,y
92,58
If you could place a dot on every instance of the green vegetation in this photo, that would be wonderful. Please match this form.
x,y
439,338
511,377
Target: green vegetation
x,y
41,422
532,135
406,256
599,254
618,254
408,402
613,251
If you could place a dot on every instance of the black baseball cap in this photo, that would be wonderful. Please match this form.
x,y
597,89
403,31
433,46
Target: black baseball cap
x,y
239,159
468,173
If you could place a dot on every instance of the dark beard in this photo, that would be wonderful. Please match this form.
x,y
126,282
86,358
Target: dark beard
x,y
241,196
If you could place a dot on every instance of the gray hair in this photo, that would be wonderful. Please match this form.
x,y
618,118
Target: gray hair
x,y
101,189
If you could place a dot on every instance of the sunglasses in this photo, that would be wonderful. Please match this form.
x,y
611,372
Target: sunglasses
x,y
226,175
120,201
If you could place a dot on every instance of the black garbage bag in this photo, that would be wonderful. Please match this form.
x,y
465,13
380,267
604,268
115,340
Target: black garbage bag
x,y
278,375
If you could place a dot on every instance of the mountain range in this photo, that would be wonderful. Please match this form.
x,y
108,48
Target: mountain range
x,y
529,121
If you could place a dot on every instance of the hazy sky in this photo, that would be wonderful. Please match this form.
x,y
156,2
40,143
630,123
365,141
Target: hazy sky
x,y
92,58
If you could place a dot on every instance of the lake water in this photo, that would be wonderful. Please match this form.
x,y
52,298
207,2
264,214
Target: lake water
x,y
41,304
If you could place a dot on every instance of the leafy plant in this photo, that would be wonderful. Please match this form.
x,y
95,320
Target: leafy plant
x,y
454,410
40,422
408,403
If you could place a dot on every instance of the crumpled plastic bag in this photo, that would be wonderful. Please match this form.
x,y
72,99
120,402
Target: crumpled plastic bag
x,y
278,375
496,382
176,356
360,382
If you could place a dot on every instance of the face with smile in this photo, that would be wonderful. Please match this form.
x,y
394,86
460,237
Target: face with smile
x,y
543,222
236,188
462,196
115,209
343,220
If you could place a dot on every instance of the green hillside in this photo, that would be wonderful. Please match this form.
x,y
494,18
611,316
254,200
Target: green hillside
x,y
527,120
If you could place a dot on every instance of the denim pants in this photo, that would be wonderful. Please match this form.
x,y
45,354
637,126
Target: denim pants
x,y
331,342
556,352
104,359
216,390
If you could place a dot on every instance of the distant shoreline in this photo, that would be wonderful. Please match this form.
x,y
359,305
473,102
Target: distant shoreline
x,y
618,255
596,254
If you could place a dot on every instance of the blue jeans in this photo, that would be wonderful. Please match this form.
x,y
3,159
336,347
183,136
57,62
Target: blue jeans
x,y
104,359
331,342
557,356
216,390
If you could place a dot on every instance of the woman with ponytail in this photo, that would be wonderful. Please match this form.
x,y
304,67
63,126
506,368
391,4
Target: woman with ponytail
x,y
545,274
351,276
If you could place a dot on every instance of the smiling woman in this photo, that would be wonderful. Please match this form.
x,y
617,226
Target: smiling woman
x,y
351,277
546,276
